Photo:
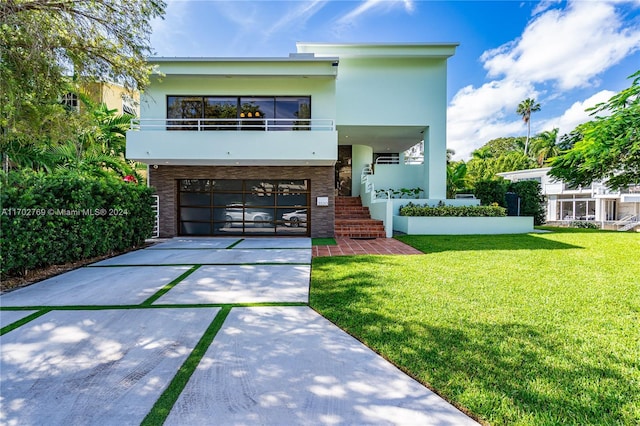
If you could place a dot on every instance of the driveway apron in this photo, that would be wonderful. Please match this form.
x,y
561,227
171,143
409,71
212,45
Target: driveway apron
x,y
195,331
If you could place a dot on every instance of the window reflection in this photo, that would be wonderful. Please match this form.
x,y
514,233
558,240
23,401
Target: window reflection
x,y
242,207
244,113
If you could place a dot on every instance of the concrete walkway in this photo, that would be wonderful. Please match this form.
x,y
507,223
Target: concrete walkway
x,y
101,344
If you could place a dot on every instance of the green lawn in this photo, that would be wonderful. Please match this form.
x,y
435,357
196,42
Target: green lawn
x,y
538,329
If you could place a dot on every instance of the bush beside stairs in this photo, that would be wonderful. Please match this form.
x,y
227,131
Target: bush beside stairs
x,y
354,221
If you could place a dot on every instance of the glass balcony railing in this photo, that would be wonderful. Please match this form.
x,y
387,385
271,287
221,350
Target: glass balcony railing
x,y
230,124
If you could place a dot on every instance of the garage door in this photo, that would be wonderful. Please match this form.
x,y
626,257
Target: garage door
x,y
243,207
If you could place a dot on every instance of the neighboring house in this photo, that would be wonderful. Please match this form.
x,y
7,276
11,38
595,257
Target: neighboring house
x,y
262,146
565,204
113,95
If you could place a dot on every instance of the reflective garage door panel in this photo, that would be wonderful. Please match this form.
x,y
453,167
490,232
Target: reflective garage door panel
x,y
244,207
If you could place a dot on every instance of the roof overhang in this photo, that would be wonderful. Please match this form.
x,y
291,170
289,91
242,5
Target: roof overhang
x,y
379,50
296,65
381,138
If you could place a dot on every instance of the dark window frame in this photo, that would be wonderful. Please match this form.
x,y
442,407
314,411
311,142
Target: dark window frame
x,y
278,188
251,124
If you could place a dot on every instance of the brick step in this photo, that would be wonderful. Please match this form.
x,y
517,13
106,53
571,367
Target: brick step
x,y
352,220
351,233
342,216
353,213
359,228
348,201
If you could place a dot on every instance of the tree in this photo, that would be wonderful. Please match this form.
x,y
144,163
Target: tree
x,y
50,47
544,146
610,146
456,178
97,149
525,108
500,146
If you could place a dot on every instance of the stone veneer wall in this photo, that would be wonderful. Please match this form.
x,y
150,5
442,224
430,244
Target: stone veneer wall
x,y
163,179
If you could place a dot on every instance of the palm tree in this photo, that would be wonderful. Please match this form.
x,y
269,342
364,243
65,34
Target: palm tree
x,y
545,146
525,108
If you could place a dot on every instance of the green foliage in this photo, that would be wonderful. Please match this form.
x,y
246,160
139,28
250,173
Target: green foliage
x,y
456,178
499,146
98,147
498,155
452,211
43,41
66,216
323,242
545,145
491,191
582,224
531,199
399,193
609,147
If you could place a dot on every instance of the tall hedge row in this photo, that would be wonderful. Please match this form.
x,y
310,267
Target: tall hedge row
x,y
65,216
532,201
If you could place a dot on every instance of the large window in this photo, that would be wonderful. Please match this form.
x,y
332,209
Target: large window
x,y
244,112
243,207
576,209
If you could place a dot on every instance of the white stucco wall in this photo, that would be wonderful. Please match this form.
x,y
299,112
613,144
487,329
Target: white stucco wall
x,y
463,225
361,156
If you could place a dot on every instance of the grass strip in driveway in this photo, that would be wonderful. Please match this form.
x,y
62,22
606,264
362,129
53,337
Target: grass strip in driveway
x,y
169,286
163,405
235,244
9,327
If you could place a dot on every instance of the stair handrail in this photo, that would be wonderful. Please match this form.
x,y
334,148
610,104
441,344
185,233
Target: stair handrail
x,y
626,219
364,179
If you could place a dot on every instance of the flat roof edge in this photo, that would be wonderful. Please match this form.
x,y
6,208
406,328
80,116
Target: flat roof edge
x,y
293,59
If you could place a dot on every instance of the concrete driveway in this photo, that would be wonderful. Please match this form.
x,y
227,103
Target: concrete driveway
x,y
104,345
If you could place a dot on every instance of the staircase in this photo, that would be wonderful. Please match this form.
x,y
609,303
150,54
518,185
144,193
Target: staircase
x,y
628,223
354,221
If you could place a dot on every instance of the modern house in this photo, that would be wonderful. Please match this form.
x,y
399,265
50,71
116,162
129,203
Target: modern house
x,y
564,204
267,146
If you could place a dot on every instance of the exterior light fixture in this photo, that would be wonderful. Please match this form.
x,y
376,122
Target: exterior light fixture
x,y
242,115
249,115
257,113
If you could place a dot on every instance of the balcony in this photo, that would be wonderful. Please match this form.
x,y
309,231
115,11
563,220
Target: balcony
x,y
630,194
559,188
233,124
230,141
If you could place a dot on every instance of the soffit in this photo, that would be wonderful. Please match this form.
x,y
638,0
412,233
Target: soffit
x,y
381,138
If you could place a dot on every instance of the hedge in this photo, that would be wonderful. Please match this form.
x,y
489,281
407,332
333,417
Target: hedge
x,y
452,211
62,217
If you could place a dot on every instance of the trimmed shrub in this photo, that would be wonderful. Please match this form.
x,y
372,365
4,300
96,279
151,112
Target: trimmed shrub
x,y
583,224
491,191
452,211
531,199
65,216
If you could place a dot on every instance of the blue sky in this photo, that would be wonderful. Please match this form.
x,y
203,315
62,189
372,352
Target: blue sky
x,y
567,55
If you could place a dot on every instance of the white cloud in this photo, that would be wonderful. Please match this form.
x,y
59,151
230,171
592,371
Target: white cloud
x,y
569,47
558,51
298,16
368,5
545,5
477,115
576,114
